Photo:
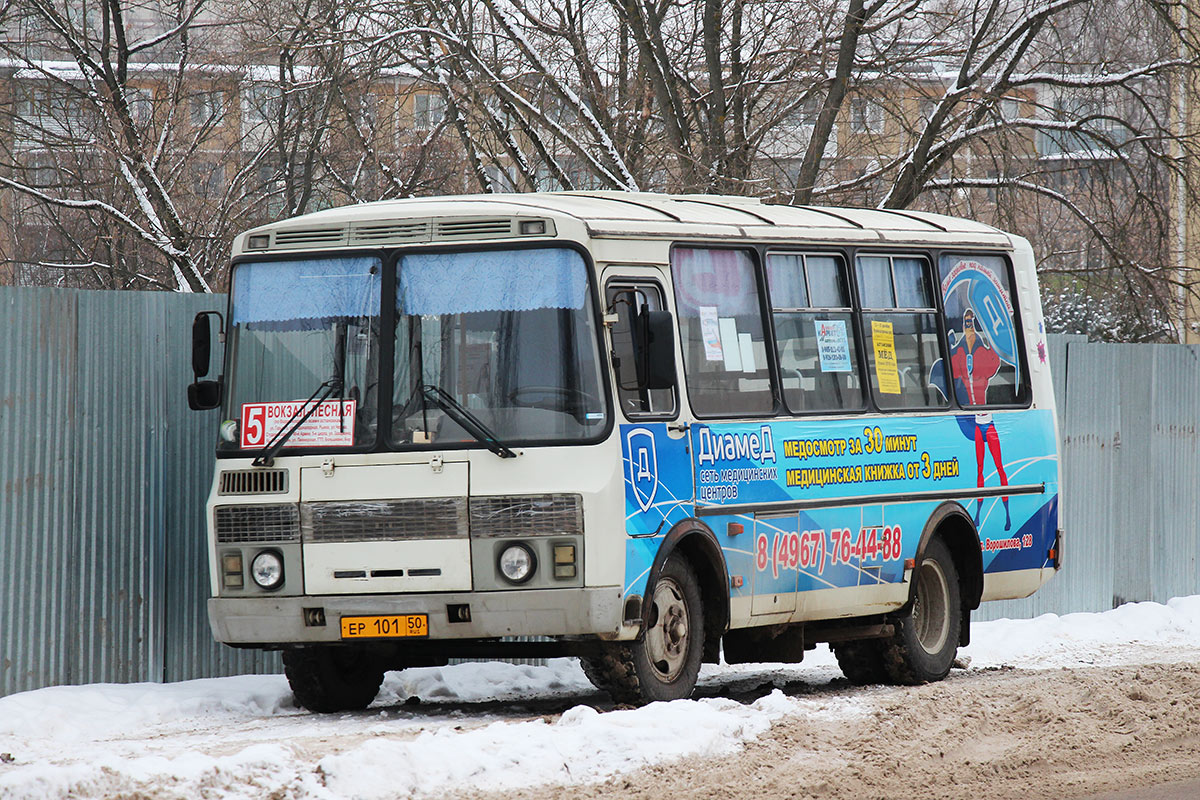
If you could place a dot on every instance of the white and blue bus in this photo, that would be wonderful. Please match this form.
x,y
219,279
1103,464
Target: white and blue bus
x,y
645,430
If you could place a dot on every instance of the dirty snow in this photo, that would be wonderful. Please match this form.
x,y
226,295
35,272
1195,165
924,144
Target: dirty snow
x,y
478,726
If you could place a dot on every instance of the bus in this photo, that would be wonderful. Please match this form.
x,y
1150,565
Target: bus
x,y
649,431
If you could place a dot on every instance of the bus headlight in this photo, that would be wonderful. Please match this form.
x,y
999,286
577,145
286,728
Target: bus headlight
x,y
267,570
517,563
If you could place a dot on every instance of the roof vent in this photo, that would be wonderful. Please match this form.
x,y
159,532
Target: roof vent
x,y
307,237
493,228
391,232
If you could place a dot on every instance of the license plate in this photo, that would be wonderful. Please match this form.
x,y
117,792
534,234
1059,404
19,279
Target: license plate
x,y
385,627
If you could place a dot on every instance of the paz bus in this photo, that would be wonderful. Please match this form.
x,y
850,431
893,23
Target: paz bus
x,y
649,431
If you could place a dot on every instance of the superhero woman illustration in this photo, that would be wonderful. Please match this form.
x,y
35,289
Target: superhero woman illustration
x,y
973,364
976,357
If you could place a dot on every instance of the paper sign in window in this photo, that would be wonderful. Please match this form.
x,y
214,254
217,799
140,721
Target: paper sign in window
x,y
887,376
710,331
327,425
832,345
746,348
729,344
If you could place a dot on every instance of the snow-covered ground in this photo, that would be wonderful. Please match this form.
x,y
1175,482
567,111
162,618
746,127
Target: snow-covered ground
x,y
489,726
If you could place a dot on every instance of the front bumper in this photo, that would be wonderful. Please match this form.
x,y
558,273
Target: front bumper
x,y
265,621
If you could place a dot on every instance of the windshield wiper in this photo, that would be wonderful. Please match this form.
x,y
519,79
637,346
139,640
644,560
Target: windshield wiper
x,y
335,384
266,456
470,423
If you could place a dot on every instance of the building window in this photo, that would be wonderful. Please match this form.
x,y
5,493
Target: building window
x,y
260,106
141,105
866,115
428,110
207,108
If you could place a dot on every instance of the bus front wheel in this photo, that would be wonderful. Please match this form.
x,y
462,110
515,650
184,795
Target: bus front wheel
x,y
333,678
664,662
926,638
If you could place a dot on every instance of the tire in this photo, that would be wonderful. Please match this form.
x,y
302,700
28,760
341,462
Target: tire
x,y
862,661
664,662
333,678
925,643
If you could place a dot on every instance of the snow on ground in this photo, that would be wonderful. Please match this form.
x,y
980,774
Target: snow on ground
x,y
488,725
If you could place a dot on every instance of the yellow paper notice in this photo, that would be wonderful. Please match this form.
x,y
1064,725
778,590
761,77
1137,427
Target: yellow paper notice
x,y
886,373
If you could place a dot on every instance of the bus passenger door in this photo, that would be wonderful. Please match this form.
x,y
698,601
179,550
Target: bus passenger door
x,y
657,467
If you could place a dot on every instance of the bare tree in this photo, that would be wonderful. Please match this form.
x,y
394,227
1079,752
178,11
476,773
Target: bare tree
x,y
1063,106
94,133
141,136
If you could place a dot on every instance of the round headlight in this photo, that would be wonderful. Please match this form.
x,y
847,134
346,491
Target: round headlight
x,y
517,563
267,569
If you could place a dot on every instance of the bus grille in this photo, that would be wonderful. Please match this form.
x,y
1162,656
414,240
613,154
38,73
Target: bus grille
x,y
383,520
274,523
253,481
527,515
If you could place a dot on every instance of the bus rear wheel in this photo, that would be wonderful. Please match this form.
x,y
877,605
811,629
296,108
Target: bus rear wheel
x,y
665,660
333,678
926,638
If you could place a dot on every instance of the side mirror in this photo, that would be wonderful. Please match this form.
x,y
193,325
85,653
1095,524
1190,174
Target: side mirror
x,y
654,344
204,395
201,345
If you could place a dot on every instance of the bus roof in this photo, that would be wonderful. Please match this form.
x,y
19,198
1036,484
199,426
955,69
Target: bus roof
x,y
611,214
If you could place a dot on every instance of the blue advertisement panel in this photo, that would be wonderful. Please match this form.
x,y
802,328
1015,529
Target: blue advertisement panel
x,y
840,503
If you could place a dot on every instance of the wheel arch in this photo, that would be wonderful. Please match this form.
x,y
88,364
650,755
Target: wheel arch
x,y
954,525
696,542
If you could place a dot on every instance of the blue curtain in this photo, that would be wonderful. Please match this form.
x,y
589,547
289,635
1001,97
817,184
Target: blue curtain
x,y
498,280
785,276
299,295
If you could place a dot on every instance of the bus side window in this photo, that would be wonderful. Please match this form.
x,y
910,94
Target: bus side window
x,y
814,332
981,326
624,299
722,331
900,325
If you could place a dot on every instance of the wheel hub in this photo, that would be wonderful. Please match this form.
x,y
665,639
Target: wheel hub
x,y
667,638
930,613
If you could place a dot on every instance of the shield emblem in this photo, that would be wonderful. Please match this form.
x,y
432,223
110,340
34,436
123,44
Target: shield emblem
x,y
643,467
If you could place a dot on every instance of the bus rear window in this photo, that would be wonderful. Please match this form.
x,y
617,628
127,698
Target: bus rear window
x,y
722,332
982,330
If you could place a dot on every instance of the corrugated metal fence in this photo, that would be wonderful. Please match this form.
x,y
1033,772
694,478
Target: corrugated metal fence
x,y
103,477
1129,415
104,472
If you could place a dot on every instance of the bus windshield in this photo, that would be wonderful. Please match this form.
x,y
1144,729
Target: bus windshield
x,y
510,335
303,330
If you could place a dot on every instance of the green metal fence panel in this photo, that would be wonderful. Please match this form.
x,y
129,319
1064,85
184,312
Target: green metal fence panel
x,y
191,438
38,549
1130,421
104,472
